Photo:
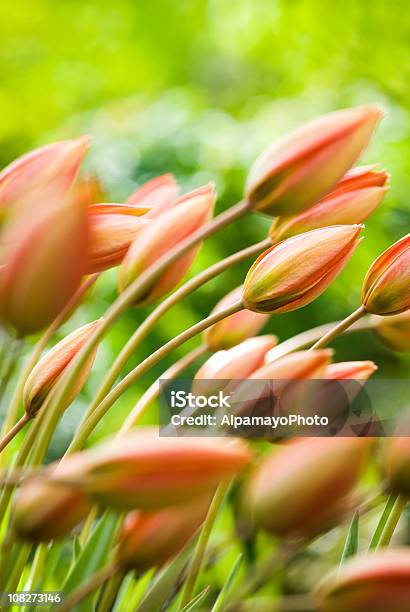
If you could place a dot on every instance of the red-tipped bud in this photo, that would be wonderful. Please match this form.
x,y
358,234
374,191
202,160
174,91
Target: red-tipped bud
x,y
158,195
150,539
394,331
148,472
353,200
379,582
294,173
168,230
386,288
47,372
58,161
237,327
301,487
294,272
346,370
45,510
113,228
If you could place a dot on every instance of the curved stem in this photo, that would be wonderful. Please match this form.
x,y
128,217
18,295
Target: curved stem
x,y
339,328
90,423
152,392
185,289
132,293
8,437
88,587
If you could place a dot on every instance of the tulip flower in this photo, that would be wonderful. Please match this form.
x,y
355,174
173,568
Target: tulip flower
x,y
294,272
60,160
353,200
49,369
394,331
236,328
113,228
300,488
158,195
379,582
45,510
345,370
150,539
297,171
148,472
169,229
386,288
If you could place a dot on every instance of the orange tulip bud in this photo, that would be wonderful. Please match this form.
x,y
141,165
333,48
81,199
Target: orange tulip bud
x,y
158,195
294,272
395,331
169,229
353,200
301,487
386,288
294,173
45,510
113,228
150,539
60,160
356,370
148,472
237,327
48,370
298,365
379,582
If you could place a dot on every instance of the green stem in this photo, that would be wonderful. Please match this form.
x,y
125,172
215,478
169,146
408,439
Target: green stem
x,y
375,541
339,328
200,548
392,520
152,392
12,433
88,425
127,298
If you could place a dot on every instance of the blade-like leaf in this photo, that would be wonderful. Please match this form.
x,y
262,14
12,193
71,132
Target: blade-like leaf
x,y
197,600
352,539
227,586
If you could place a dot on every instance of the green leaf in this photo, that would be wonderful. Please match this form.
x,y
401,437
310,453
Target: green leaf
x,y
391,500
352,539
197,600
227,586
92,558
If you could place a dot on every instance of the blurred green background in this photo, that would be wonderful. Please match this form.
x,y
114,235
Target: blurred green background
x,y
198,88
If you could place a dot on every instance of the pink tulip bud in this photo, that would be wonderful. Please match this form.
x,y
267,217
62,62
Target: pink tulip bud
x,y
48,370
394,331
386,288
294,272
298,365
379,582
113,228
45,510
294,173
158,194
60,160
149,472
168,230
237,327
301,487
353,200
356,370
150,539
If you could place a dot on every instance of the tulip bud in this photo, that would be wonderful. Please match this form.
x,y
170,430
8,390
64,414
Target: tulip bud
x,y
168,230
88,190
148,472
386,288
300,488
294,272
298,365
353,200
113,228
158,195
48,370
45,510
294,173
60,160
237,327
150,539
378,582
395,331
345,370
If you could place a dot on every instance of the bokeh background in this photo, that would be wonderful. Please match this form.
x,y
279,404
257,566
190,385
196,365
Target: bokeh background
x,y
198,88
